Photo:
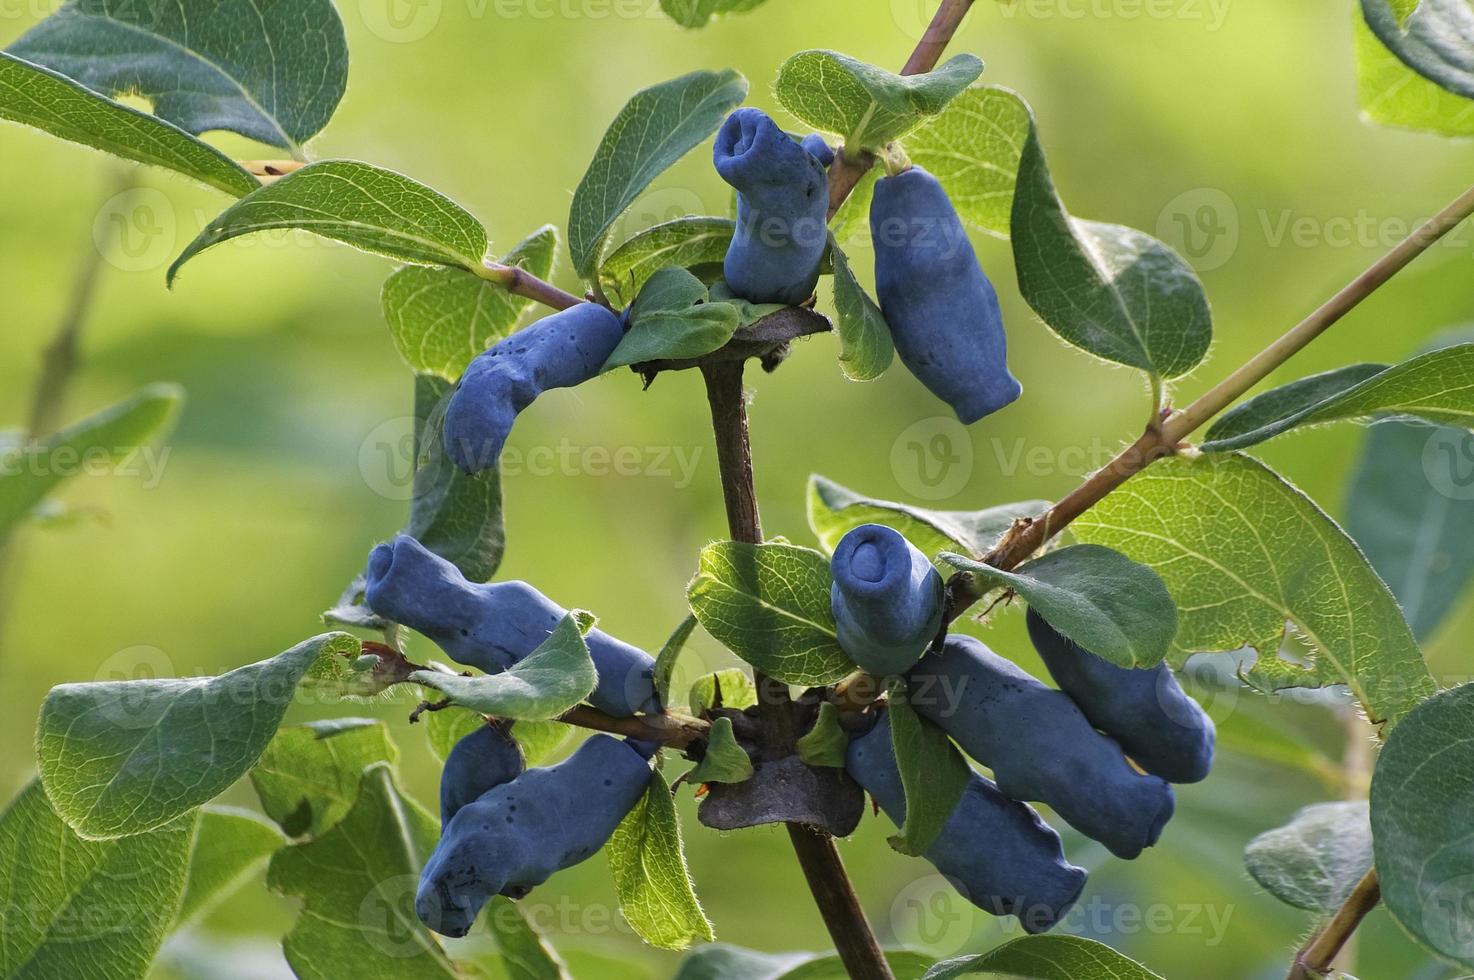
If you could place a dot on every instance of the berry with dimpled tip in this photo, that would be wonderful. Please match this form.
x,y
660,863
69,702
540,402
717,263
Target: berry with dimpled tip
x,y
886,599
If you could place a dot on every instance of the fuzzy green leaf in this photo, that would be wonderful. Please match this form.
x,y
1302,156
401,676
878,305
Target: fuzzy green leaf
x,y
865,347
1392,94
441,318
654,129
665,661
1437,387
868,106
525,954
1112,606
126,757
370,208
729,688
826,742
1243,553
725,761
1045,958
308,778
974,148
230,847
553,678
1422,789
685,243
1436,41
933,774
1314,861
769,604
35,96
648,862
672,318
695,13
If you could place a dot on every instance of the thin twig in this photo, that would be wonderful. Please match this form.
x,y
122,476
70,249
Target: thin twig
x,y
1319,954
964,590
523,283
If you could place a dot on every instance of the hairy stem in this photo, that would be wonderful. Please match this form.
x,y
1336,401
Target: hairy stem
x,y
1158,441
520,282
817,855
1316,958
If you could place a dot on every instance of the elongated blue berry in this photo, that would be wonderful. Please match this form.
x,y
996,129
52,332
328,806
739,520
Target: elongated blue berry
x,y
491,627
886,599
942,310
997,852
479,762
558,351
1166,732
516,835
1039,746
782,210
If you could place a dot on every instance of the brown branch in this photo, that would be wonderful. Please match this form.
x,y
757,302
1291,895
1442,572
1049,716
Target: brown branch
x,y
1165,439
676,731
520,282
817,856
1320,953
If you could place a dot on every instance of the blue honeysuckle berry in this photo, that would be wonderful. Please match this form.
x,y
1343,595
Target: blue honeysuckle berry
x,y
886,599
782,210
819,149
942,310
1163,730
559,351
493,626
518,834
479,762
1039,746
997,851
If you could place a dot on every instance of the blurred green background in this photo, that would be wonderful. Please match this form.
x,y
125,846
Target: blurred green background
x,y
1230,129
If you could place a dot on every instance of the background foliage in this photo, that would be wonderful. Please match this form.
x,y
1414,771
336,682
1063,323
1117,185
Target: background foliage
x,y
281,472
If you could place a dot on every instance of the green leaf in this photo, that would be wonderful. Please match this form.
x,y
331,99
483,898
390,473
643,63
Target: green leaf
x,y
1404,9
30,471
308,777
672,318
1112,606
654,129
826,742
648,863
1111,291
834,511
695,13
553,678
665,661
230,846
1243,553
525,954
769,604
865,347
441,318
1415,530
729,688
1392,94
273,72
357,885
867,106
725,761
126,757
685,243
85,908
455,514
721,961
1046,958
446,727
1437,41
540,739
36,96
974,148
1437,387
1420,797
1314,861
933,774
369,208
